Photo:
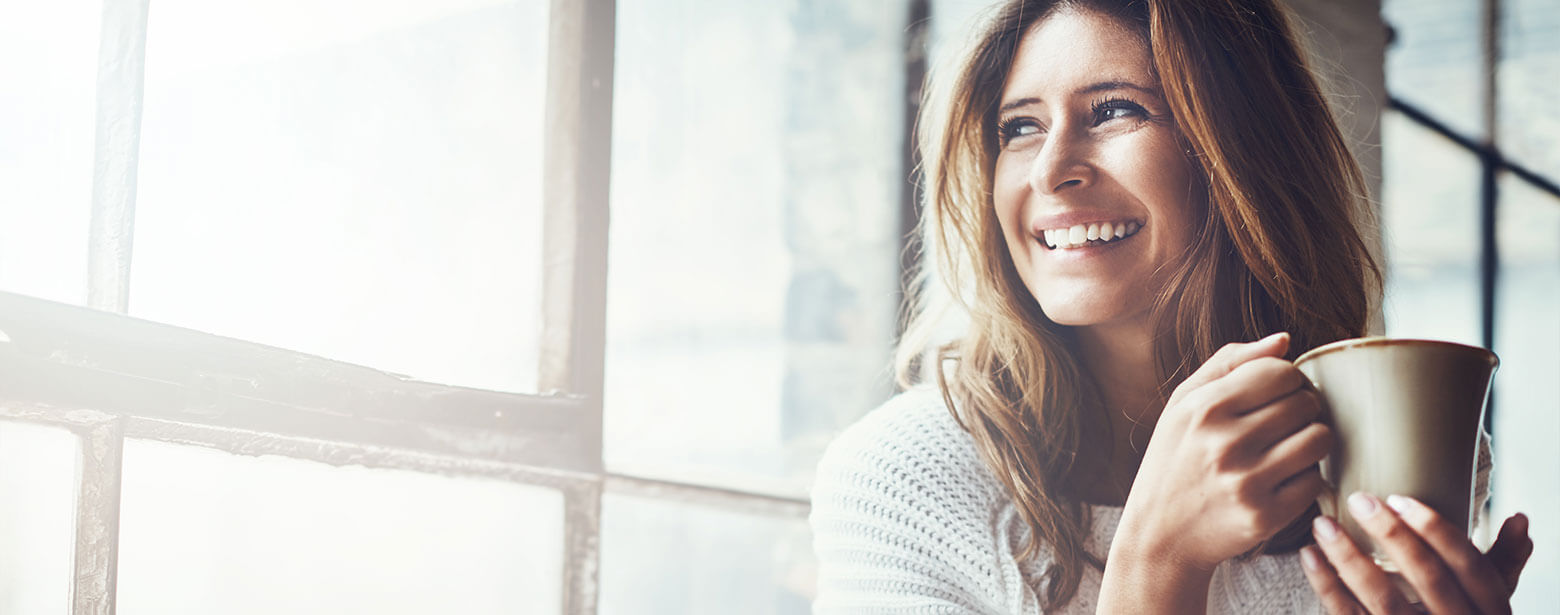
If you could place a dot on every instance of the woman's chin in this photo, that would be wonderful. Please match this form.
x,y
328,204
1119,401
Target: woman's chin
x,y
1087,313
1079,322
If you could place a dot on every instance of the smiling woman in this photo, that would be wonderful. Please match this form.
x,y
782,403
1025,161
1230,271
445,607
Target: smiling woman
x,y
1081,154
1123,194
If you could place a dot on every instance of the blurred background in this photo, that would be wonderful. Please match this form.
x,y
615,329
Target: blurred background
x,y
448,384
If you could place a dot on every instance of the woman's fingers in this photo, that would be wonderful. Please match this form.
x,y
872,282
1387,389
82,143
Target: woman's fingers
x,y
1511,550
1479,579
1229,357
1437,585
1298,492
1369,584
1295,454
1281,418
1334,595
1435,557
1254,384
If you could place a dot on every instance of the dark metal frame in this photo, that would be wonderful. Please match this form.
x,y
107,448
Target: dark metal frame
x,y
1492,162
1488,154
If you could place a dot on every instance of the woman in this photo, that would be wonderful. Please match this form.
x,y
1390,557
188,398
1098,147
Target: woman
x,y
1122,193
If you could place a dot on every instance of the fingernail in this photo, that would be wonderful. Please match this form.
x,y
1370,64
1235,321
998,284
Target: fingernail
x,y
1362,505
1403,505
1520,523
1325,528
1308,559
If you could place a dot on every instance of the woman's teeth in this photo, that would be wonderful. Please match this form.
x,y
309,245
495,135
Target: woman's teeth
x,y
1081,235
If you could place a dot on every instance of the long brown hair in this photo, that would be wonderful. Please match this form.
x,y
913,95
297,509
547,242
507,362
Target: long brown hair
x,y
1278,248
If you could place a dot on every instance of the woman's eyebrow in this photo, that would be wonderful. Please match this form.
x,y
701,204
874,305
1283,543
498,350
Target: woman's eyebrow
x,y
1022,102
1106,86
1093,88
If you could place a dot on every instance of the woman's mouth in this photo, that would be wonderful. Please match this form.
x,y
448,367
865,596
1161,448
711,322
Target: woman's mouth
x,y
1087,235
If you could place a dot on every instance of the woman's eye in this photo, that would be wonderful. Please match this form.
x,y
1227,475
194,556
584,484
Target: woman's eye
x,y
1017,128
1117,109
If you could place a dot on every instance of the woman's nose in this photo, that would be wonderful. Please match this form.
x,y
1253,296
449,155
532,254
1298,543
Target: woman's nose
x,y
1062,164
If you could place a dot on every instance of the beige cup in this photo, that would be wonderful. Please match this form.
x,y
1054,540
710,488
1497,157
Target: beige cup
x,y
1407,415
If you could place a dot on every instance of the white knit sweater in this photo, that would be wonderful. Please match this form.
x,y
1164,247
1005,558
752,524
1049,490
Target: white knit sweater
x,y
907,518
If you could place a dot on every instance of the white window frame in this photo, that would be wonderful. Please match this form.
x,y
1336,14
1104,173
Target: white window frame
x,y
106,376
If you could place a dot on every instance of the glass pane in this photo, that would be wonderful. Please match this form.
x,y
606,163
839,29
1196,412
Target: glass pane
x,y
1527,338
1435,60
37,518
755,235
47,117
1529,87
349,178
953,23
667,557
203,531
1430,220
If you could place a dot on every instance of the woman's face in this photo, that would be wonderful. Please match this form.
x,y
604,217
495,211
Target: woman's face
x,y
1091,186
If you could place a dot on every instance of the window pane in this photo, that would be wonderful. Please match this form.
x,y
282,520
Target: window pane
x,y
954,22
47,117
349,178
1435,60
37,517
1527,338
755,233
1430,219
203,531
667,557
1529,87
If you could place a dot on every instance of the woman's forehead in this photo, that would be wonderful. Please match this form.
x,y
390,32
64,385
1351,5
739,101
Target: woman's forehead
x,y
1072,51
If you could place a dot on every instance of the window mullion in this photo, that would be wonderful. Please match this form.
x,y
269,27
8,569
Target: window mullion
x,y
917,47
741,502
575,181
575,178
1489,254
72,357
582,541
97,519
120,81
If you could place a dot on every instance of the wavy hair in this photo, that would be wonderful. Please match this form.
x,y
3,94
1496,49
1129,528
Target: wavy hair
x,y
1278,248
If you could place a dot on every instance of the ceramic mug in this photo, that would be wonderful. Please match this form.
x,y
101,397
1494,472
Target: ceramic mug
x,y
1407,416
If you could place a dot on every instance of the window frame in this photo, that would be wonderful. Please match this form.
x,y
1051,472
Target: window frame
x,y
1492,163
106,376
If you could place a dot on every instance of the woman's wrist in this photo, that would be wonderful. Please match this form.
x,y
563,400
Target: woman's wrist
x,y
1145,574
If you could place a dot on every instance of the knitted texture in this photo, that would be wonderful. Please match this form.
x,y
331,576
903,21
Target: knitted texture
x,y
907,518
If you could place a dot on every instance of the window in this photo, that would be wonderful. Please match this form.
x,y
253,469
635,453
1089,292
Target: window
x,y
363,184
207,531
46,156
756,205
240,192
1471,211
303,304
1429,214
37,485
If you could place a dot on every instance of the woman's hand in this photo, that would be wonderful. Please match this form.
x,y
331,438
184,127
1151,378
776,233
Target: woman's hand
x,y
1231,462
1232,459
1436,559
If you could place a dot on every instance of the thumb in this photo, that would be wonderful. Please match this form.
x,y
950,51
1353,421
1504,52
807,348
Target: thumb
x,y
1510,552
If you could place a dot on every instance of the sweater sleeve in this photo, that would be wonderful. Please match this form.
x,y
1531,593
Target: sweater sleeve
x,y
904,521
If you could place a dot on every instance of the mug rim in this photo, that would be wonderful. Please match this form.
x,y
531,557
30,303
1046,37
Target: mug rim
x,y
1381,340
